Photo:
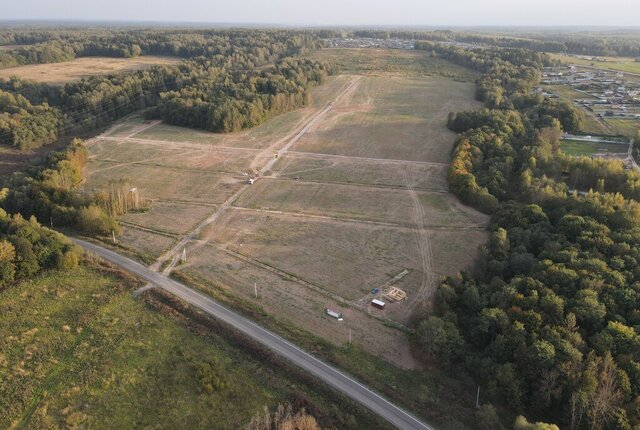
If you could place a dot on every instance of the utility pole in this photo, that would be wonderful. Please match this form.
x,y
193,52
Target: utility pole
x,y
113,235
478,398
184,255
349,336
51,221
255,288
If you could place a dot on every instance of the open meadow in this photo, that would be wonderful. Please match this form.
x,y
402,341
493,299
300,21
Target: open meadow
x,y
350,195
68,71
77,350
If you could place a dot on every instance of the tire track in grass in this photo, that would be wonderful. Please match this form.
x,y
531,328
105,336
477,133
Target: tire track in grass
x,y
424,247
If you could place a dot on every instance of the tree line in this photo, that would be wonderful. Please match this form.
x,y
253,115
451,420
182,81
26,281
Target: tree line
x,y
225,100
53,45
550,325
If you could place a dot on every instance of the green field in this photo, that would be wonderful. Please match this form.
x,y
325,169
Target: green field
x,y
78,351
577,148
626,127
393,62
621,64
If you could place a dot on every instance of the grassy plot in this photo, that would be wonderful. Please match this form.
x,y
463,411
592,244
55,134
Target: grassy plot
x,y
355,202
77,351
366,172
146,244
579,148
68,71
568,92
344,258
117,152
168,183
620,64
394,118
625,127
170,217
393,62
347,259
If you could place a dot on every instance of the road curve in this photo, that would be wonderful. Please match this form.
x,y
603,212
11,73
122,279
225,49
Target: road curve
x,y
330,375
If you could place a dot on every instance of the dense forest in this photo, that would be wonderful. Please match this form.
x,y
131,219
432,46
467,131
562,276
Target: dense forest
x,y
229,80
27,248
550,328
51,46
222,100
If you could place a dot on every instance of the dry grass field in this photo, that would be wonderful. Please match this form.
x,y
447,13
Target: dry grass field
x,y
393,118
68,71
319,168
351,192
354,202
393,62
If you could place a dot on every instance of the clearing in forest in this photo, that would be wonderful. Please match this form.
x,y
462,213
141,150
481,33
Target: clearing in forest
x,y
68,71
351,193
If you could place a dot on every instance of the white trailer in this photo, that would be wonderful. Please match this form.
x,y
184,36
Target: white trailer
x,y
334,314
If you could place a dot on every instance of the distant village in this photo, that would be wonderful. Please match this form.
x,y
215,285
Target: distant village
x,y
606,93
370,42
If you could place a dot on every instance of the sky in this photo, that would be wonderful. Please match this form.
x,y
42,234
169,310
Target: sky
x,y
336,12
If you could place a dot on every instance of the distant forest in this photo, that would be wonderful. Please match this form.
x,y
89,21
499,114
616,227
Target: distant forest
x,y
582,43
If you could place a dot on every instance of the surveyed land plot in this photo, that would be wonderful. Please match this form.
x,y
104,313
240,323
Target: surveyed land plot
x,y
297,303
393,62
356,196
356,202
326,169
169,183
144,242
114,153
392,118
343,258
69,71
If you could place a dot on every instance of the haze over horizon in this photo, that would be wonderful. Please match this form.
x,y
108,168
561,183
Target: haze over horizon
x,y
337,12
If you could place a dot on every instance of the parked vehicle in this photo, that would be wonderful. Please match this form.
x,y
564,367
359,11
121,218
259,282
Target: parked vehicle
x,y
378,304
333,313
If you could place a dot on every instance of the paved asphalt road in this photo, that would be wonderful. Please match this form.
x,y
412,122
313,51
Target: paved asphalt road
x,y
335,378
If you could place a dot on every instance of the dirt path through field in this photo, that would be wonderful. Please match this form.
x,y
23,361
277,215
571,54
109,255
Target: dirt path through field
x,y
424,249
288,141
